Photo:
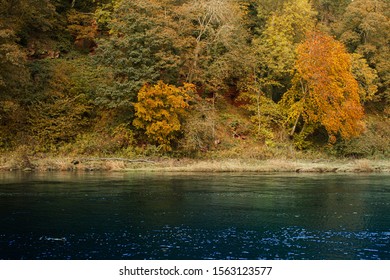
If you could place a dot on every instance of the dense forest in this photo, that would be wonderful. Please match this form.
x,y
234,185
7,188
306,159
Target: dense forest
x,y
195,78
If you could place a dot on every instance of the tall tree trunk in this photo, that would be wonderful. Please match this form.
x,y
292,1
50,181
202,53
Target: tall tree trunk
x,y
194,65
257,88
295,126
305,92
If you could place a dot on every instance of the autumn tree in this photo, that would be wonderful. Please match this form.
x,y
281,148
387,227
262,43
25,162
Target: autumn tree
x,y
14,80
364,29
34,16
324,92
14,73
264,9
366,77
20,20
275,48
62,108
159,112
285,27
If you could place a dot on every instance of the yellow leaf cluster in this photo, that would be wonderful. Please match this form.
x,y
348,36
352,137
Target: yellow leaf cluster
x,y
160,110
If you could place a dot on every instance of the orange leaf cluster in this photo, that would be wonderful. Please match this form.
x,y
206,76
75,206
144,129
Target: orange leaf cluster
x,y
330,92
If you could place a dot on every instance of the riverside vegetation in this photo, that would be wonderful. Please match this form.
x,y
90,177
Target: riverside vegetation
x,y
195,85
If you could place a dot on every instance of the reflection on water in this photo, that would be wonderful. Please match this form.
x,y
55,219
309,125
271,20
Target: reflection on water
x,y
194,216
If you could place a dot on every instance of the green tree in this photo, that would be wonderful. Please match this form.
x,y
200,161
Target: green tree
x,y
141,49
265,114
330,11
364,30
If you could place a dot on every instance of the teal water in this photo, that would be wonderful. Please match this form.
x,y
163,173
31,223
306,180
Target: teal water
x,y
194,216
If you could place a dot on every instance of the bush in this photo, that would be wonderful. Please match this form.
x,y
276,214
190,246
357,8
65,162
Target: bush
x,y
198,129
119,141
62,106
160,111
373,143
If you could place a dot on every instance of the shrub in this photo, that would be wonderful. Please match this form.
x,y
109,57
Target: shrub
x,y
160,111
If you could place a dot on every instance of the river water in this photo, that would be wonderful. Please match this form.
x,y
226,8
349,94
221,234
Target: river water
x,y
194,216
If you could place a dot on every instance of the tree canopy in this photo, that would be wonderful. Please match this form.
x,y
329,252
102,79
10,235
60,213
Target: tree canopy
x,y
115,75
324,90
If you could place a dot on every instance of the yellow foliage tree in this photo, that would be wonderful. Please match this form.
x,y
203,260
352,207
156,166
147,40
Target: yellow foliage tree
x,y
160,110
324,91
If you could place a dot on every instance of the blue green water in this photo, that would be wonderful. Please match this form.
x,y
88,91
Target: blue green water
x,y
194,216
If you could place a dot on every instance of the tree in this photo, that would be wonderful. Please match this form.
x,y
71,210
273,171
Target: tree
x,y
275,48
83,29
324,91
265,8
286,24
14,76
17,18
14,73
34,22
265,113
141,49
14,79
364,30
62,107
366,77
330,11
160,110
218,42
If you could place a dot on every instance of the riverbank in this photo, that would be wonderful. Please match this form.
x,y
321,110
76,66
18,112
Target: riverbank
x,y
44,163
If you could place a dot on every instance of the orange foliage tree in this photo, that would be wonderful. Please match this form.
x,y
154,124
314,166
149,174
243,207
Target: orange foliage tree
x,y
324,91
160,111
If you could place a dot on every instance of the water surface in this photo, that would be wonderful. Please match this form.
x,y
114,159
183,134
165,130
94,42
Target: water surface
x,y
194,216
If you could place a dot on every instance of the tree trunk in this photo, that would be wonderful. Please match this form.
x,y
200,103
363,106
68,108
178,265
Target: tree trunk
x,y
295,126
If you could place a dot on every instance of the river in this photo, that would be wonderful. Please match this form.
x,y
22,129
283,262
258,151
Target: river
x,y
194,216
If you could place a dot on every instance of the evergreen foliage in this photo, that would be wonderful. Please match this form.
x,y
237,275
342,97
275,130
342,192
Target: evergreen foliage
x,y
140,49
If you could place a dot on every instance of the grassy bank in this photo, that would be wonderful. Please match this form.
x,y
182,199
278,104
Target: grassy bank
x,y
63,163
